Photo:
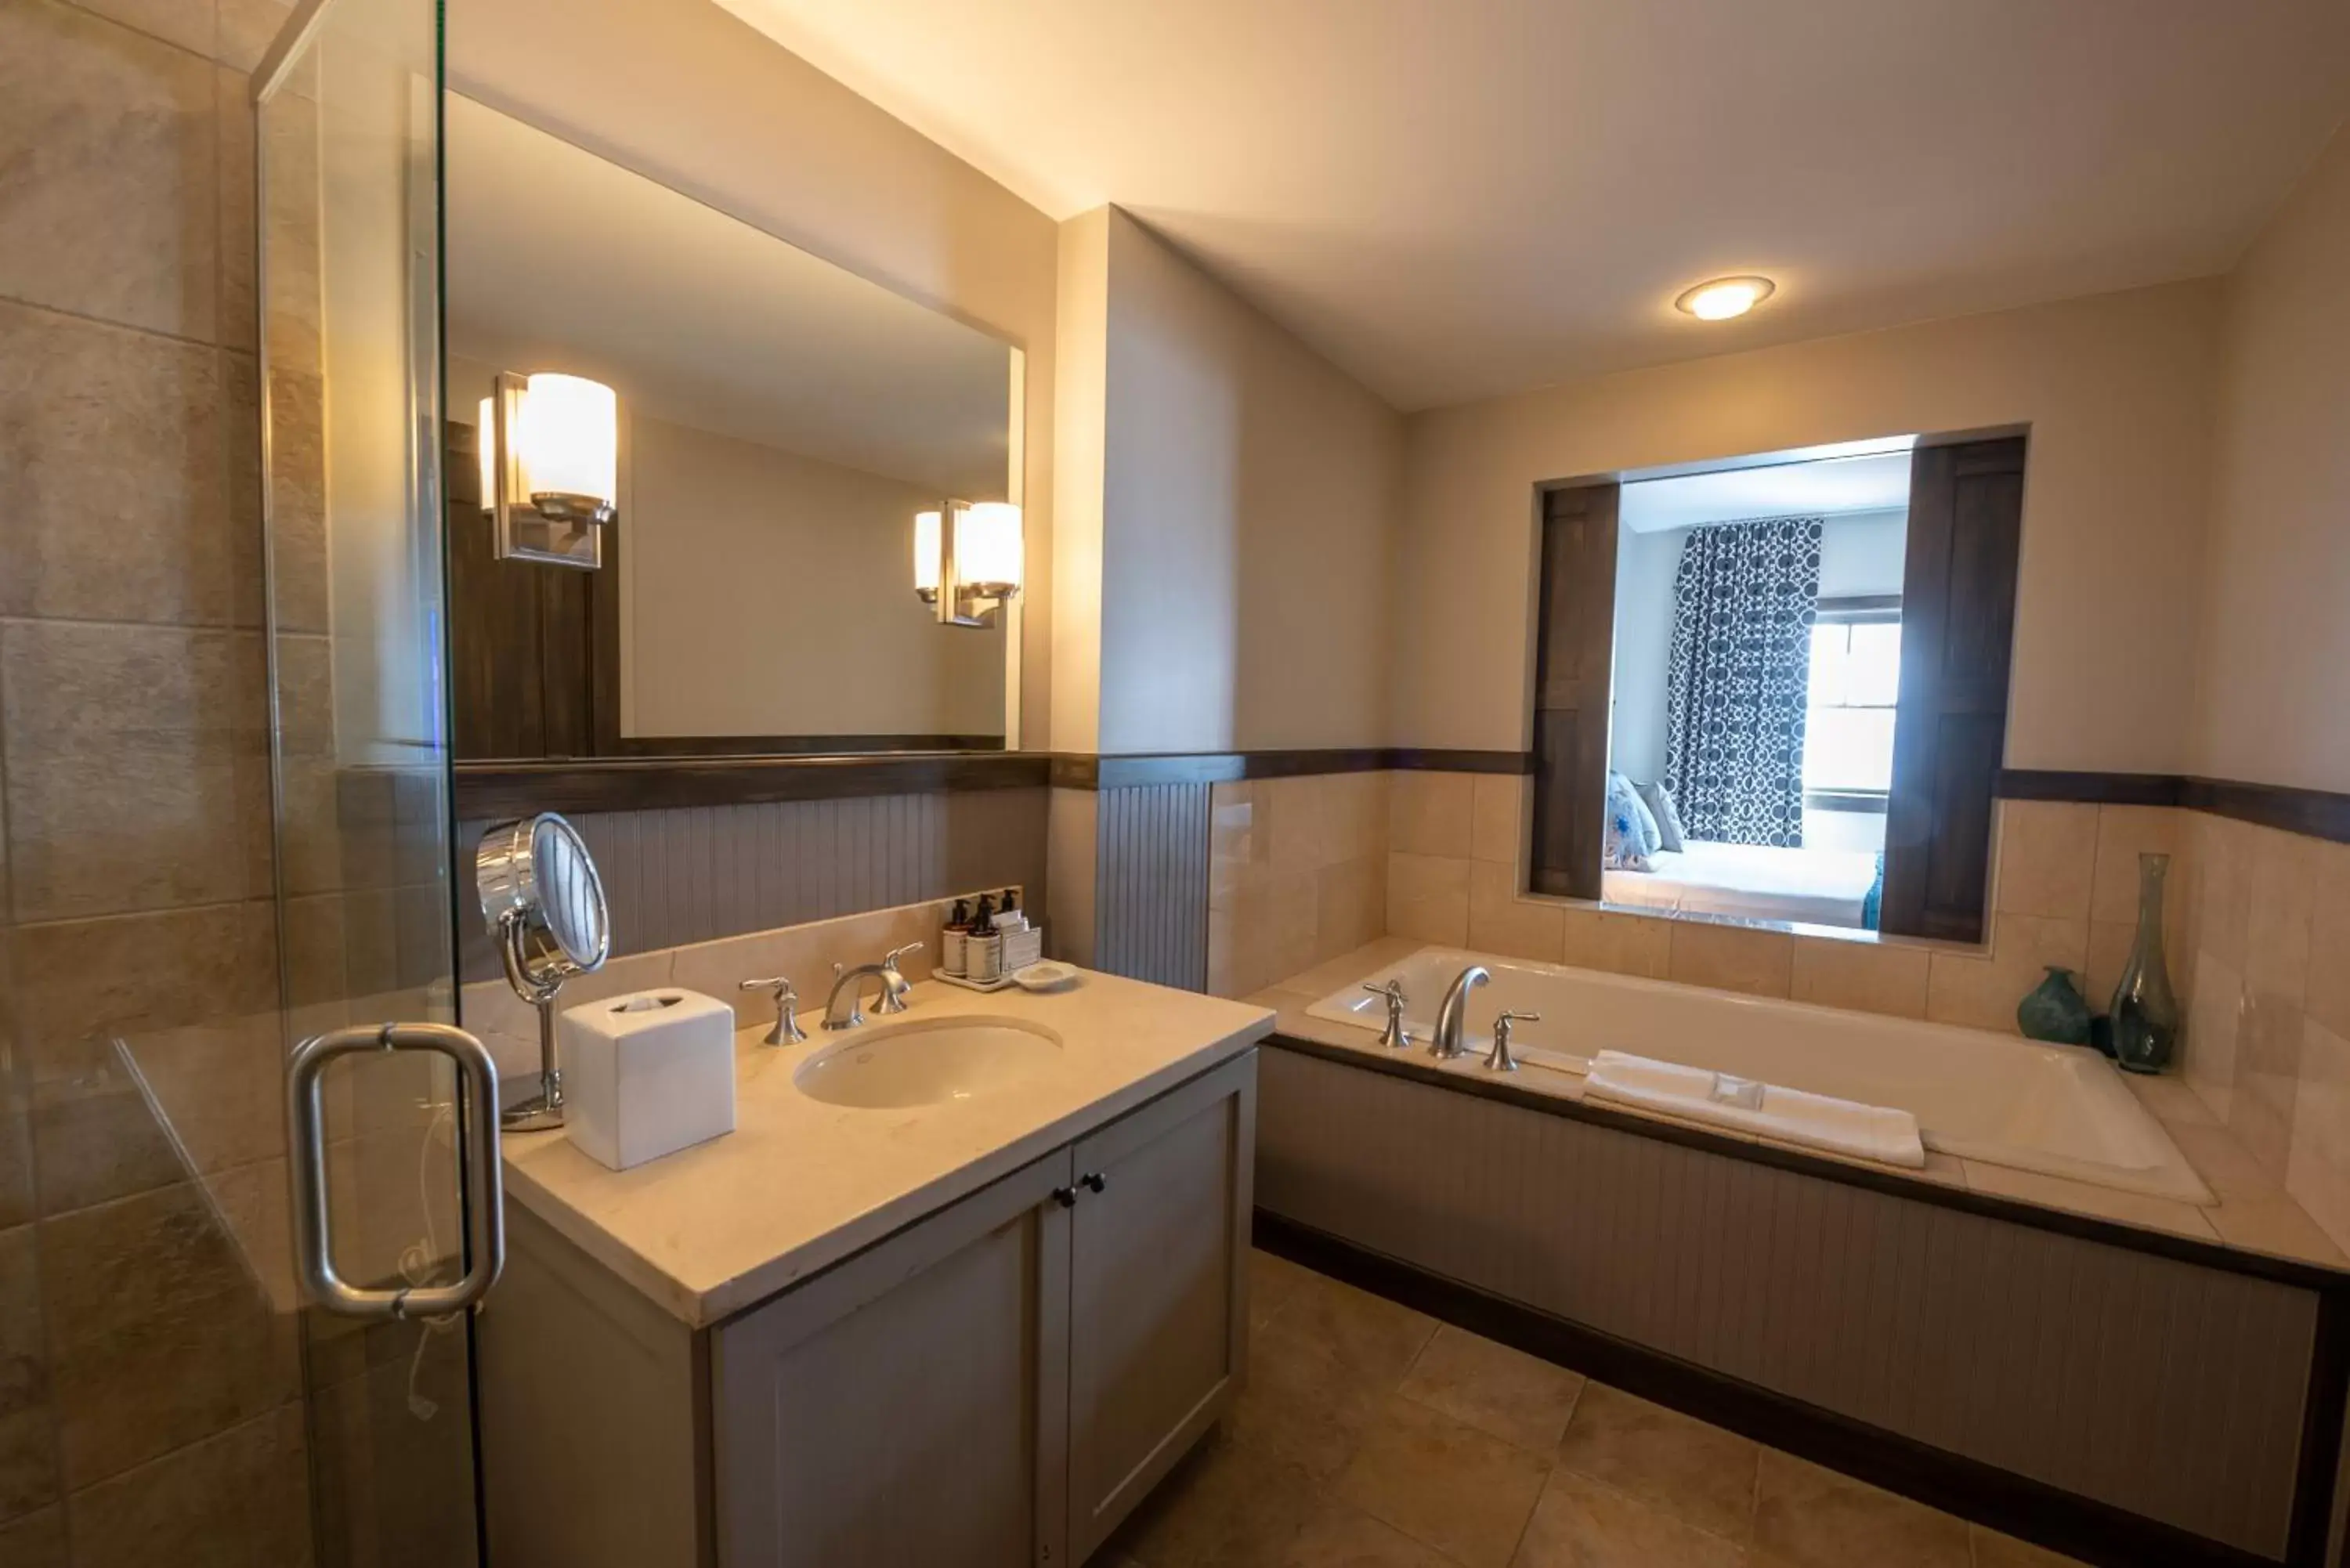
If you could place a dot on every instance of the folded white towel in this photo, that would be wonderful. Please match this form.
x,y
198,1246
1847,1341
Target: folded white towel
x,y
1814,1121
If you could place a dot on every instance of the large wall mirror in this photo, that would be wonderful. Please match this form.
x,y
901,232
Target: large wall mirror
x,y
1776,688
772,430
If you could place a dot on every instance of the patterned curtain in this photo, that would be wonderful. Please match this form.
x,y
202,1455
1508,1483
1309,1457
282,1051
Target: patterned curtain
x,y
1742,607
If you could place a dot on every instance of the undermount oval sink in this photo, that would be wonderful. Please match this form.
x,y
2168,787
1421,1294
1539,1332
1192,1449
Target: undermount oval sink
x,y
925,1063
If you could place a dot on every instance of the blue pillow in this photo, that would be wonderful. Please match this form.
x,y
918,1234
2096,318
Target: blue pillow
x,y
1632,835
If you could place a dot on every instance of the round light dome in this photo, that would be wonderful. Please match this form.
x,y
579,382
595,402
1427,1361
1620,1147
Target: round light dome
x,y
1721,298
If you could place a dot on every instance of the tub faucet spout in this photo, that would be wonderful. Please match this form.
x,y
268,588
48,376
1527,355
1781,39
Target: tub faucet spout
x,y
1447,1042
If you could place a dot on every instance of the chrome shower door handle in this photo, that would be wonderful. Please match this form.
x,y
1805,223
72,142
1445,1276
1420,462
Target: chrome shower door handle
x,y
477,1124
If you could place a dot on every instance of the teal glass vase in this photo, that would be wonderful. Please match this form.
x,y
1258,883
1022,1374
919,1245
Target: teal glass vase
x,y
2146,1010
2055,1011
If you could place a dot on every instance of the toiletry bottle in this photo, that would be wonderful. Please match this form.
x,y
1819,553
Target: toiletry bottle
x,y
983,948
951,937
1009,916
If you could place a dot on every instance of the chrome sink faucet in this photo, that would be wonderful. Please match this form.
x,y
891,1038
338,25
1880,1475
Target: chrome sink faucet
x,y
1446,1044
890,997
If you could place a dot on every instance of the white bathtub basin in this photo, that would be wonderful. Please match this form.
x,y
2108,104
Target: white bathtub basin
x,y
1989,1098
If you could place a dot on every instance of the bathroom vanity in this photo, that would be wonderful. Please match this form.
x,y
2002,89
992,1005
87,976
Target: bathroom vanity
x,y
965,1330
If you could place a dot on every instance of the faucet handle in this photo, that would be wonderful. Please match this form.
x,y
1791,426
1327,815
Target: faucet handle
x,y
787,1030
1395,1036
893,984
1501,1060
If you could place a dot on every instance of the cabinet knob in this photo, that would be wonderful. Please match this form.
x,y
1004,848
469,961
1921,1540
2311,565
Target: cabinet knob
x,y
1066,1197
1092,1182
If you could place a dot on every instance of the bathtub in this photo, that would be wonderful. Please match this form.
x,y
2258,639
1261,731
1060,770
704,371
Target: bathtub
x,y
2058,1110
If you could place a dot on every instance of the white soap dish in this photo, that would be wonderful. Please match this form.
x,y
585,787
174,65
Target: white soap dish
x,y
1048,975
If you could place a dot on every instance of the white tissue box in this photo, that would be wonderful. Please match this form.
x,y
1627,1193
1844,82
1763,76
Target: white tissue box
x,y
646,1075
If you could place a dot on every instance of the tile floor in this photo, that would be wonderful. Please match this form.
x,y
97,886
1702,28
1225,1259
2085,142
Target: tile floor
x,y
1371,1437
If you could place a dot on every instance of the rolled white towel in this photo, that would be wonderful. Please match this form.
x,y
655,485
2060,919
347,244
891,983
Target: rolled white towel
x,y
1877,1133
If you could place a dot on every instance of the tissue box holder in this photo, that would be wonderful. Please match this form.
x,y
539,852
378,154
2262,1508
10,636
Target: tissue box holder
x,y
648,1074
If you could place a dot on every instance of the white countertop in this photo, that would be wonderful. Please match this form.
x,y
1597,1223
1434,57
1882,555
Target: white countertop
x,y
800,1184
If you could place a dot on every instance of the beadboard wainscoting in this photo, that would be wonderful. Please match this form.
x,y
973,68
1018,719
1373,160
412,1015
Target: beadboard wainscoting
x,y
2100,1370
696,874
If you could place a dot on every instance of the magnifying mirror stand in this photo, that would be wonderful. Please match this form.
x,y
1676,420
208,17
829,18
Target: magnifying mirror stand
x,y
544,1110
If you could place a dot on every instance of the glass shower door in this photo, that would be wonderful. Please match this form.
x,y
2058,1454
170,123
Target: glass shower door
x,y
387,1138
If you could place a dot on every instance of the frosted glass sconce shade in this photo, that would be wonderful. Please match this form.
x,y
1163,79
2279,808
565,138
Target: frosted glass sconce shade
x,y
571,444
967,560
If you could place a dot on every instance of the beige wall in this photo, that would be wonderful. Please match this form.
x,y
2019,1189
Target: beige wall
x,y
769,594
2117,391
1077,442
687,96
2276,642
1247,504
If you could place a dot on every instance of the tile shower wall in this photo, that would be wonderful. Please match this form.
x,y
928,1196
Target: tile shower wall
x,y
148,1364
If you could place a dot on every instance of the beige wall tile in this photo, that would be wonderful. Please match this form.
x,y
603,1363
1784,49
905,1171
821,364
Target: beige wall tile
x,y
2124,833
1240,840
188,24
158,1337
238,322
2223,851
136,775
1503,921
1978,992
1350,905
1431,813
247,28
1868,977
2317,1166
2328,990
2047,858
242,1496
1497,810
2278,913
1296,812
148,971
1615,943
131,429
29,1477
1732,958
113,207
2212,1021
1428,898
1351,815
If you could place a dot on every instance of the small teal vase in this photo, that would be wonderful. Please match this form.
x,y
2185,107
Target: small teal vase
x,y
2055,1011
2146,1010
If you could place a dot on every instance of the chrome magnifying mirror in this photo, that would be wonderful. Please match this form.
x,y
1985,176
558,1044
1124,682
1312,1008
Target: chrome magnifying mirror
x,y
545,905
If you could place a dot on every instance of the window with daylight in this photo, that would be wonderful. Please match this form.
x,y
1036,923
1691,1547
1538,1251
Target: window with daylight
x,y
1856,681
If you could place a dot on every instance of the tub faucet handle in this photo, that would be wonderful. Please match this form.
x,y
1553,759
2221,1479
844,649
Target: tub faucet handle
x,y
1501,1060
1395,1036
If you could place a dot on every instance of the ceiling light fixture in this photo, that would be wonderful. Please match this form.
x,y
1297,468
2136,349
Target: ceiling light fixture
x,y
1719,299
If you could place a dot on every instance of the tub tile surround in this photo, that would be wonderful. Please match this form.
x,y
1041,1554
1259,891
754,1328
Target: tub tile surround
x,y
1298,872
1373,1436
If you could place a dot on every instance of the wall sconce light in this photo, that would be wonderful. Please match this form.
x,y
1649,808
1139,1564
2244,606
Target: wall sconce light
x,y
967,560
550,468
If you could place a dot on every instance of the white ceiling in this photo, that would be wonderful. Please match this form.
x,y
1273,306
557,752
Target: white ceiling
x,y
1827,488
557,260
1453,198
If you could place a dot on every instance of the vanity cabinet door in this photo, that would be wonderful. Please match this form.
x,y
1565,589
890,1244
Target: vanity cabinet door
x,y
1158,1290
911,1404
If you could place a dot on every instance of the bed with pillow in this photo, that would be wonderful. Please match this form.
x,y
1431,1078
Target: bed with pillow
x,y
1648,863
1754,881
